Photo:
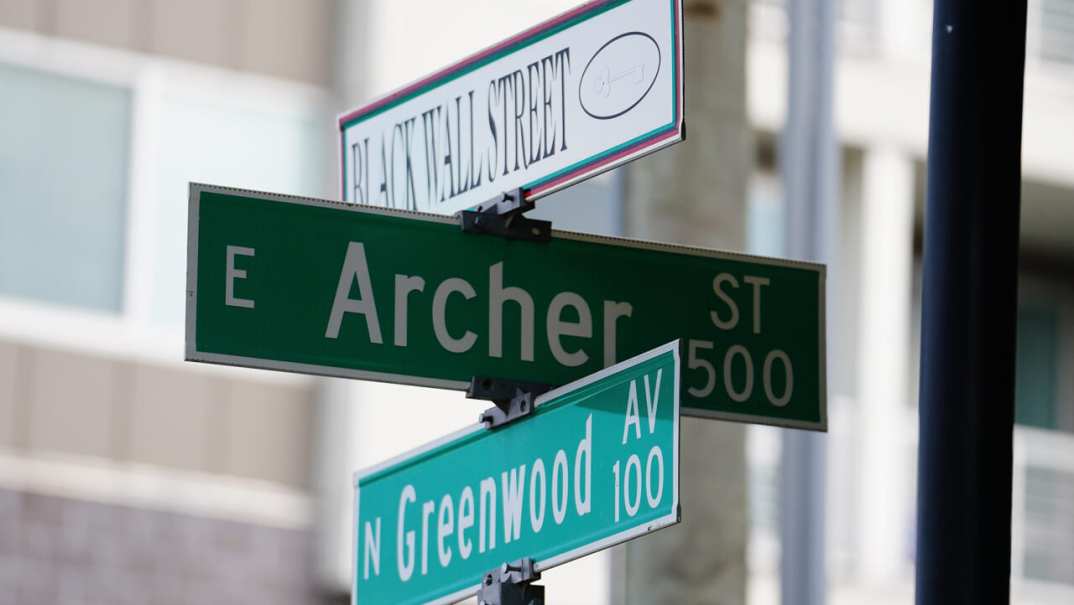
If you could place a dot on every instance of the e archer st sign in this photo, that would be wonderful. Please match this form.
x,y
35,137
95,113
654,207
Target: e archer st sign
x,y
323,287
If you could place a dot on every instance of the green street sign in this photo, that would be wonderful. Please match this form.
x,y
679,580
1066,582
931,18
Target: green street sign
x,y
595,464
322,287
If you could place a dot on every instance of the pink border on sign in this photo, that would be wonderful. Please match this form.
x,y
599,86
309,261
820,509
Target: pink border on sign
x,y
643,144
594,165
648,142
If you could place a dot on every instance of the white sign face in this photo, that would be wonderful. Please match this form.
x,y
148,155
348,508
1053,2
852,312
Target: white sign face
x,y
589,90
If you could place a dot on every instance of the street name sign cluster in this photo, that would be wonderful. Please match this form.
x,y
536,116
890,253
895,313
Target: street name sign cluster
x,y
395,284
596,464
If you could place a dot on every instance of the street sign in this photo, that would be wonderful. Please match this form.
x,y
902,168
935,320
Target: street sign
x,y
596,464
591,89
321,287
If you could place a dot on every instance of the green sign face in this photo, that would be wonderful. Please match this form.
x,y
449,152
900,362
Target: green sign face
x,y
597,463
328,288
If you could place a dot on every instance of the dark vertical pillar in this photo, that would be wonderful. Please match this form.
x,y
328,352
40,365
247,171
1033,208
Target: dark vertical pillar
x,y
970,302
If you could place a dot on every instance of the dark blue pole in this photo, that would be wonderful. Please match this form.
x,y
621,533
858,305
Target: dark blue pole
x,y
970,302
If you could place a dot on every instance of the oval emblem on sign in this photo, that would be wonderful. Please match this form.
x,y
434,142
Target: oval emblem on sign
x,y
619,75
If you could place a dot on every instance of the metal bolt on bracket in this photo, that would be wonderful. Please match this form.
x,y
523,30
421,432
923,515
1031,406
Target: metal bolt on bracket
x,y
512,584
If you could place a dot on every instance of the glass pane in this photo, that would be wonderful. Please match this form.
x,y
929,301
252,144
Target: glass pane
x,y
1035,378
214,137
1049,525
764,215
64,146
1057,30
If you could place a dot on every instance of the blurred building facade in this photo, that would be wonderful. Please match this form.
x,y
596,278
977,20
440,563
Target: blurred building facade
x,y
127,475
881,115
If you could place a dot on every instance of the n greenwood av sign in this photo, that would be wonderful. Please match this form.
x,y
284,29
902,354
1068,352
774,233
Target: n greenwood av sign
x,y
338,289
597,463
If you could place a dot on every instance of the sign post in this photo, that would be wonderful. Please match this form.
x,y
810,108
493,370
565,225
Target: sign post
x,y
320,287
584,92
970,296
595,464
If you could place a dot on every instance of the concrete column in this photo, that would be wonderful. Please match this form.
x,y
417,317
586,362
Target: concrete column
x,y
335,458
695,193
336,449
885,466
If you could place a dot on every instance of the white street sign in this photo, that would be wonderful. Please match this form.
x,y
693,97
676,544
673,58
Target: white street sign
x,y
586,91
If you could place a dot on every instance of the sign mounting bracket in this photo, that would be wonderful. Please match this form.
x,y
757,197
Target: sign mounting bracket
x,y
503,216
511,584
513,399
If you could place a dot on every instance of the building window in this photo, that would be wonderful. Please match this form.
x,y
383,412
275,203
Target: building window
x,y
1036,375
1049,525
1057,30
229,135
64,157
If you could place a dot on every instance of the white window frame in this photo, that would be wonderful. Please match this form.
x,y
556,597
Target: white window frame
x,y
131,334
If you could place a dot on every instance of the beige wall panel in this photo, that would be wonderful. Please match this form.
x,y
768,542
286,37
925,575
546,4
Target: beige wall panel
x,y
22,14
171,413
198,30
268,433
110,22
288,39
8,393
72,399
